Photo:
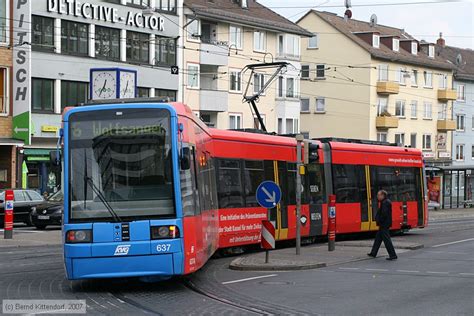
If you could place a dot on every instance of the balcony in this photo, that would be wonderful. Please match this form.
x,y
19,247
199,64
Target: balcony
x,y
446,125
214,54
386,122
447,94
388,87
213,100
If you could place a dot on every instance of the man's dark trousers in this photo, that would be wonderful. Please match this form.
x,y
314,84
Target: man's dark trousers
x,y
383,235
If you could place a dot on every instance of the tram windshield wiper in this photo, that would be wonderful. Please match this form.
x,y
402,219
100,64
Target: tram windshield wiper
x,y
101,197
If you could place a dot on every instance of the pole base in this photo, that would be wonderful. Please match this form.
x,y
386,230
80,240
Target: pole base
x,y
8,234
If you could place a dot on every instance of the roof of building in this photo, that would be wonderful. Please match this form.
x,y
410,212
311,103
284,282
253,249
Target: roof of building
x,y
256,15
350,27
465,69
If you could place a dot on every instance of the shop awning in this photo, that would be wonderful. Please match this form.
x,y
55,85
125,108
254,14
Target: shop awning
x,y
37,152
458,168
11,142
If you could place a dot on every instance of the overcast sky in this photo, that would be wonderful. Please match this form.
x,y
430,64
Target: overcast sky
x,y
423,21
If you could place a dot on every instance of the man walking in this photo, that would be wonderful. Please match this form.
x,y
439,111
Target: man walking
x,y
383,219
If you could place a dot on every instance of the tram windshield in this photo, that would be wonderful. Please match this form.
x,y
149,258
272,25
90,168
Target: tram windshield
x,y
120,164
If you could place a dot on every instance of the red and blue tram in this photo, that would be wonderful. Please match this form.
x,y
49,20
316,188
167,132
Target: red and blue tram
x,y
151,191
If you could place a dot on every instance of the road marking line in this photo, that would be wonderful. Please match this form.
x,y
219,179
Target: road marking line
x,y
408,271
467,274
383,270
449,252
348,268
250,279
452,243
437,272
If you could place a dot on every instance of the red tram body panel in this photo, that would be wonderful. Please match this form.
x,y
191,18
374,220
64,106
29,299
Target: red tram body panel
x,y
230,164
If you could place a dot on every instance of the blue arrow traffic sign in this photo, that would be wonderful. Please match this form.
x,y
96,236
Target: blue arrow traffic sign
x,y
268,194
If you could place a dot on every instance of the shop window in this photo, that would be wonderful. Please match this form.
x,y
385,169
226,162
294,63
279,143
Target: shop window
x,y
74,38
138,49
42,33
143,92
169,95
165,51
42,91
3,175
73,93
107,43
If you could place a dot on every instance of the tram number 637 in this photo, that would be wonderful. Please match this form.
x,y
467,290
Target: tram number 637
x,y
163,247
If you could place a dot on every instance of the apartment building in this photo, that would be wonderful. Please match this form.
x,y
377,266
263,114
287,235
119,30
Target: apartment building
x,y
60,41
369,81
221,37
458,178
10,148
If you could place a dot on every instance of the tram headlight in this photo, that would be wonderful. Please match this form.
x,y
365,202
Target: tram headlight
x,y
79,236
162,232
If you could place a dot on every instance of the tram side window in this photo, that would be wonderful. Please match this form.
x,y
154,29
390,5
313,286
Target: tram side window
x,y
291,181
347,183
385,180
205,182
189,189
230,184
407,190
254,174
315,188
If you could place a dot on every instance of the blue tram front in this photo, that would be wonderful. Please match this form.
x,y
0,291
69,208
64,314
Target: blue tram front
x,y
122,206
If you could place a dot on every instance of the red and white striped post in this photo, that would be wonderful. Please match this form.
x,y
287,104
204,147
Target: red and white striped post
x,y
268,238
8,214
332,223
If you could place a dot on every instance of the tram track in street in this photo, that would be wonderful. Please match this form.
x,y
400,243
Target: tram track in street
x,y
191,286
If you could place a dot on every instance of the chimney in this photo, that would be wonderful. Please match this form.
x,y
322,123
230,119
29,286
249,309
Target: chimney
x,y
440,41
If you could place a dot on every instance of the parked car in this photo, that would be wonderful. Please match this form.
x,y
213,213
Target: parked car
x,y
24,200
48,213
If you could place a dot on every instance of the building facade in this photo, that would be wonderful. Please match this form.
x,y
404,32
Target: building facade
x,y
368,81
10,148
459,178
220,38
61,41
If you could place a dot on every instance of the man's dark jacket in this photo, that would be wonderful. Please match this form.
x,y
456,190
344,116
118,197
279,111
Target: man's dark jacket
x,y
383,218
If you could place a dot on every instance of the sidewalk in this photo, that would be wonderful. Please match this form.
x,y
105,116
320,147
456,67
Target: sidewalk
x,y
31,238
315,256
450,214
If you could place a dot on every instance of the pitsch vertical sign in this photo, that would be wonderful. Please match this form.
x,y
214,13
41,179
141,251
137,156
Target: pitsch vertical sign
x,y
21,42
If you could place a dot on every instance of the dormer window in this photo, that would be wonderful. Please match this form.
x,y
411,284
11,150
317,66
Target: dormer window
x,y
414,48
376,40
396,45
431,51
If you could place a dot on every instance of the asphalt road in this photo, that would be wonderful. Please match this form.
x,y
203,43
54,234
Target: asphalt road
x,y
436,280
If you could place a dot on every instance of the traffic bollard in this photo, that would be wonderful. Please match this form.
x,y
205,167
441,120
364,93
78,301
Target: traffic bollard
x,y
332,223
8,215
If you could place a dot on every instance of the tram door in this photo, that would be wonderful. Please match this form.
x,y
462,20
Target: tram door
x,y
368,208
277,171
